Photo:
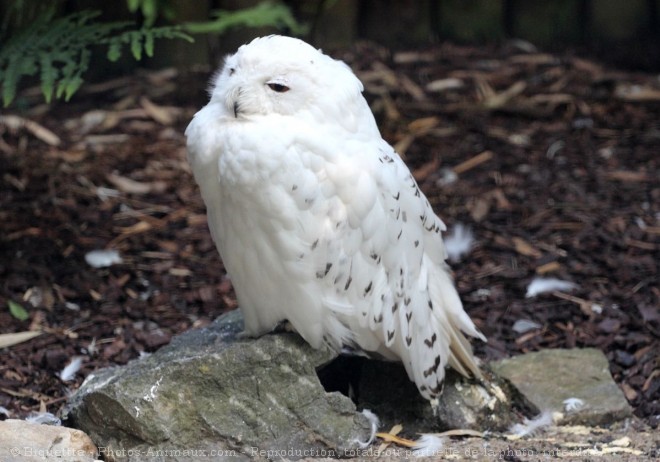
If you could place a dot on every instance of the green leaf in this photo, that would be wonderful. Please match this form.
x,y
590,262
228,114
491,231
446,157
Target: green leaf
x,y
263,14
9,81
133,5
149,44
114,51
150,11
69,88
136,45
49,75
17,310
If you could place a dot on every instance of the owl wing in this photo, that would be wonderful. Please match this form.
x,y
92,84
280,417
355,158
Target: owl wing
x,y
379,262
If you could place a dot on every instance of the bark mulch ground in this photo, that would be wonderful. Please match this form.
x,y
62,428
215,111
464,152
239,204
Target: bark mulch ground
x,y
551,160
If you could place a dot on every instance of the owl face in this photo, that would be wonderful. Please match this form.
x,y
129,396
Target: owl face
x,y
286,76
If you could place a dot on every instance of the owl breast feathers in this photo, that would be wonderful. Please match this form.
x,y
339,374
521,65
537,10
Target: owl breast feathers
x,y
317,219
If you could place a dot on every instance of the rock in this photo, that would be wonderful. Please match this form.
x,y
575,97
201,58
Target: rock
x,y
491,405
22,441
577,383
212,393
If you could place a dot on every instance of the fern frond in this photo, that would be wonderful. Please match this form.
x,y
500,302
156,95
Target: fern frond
x,y
150,9
141,40
264,14
136,44
73,76
49,75
58,50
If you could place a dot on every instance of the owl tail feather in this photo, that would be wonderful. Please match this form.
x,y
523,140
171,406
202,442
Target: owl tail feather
x,y
461,358
457,323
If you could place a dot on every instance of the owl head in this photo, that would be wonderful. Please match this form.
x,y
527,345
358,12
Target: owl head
x,y
286,76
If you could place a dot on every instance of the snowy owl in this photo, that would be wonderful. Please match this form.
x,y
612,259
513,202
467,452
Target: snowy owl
x,y
317,219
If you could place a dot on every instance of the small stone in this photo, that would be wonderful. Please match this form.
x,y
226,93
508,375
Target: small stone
x,y
22,441
550,377
624,358
609,325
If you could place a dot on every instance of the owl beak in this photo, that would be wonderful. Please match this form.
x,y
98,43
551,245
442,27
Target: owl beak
x,y
231,101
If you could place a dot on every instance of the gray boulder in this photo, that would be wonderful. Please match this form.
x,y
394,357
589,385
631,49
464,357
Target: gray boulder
x,y
210,393
575,383
211,390
213,393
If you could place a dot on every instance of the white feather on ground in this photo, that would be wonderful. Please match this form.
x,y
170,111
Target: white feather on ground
x,y
531,426
573,404
102,258
69,372
525,325
448,176
43,418
375,422
91,348
542,285
458,241
428,445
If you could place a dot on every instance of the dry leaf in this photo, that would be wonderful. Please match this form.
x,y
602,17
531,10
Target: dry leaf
x,y
525,248
130,186
548,268
473,162
421,173
444,85
7,340
408,57
181,272
479,208
423,125
492,100
628,391
139,227
627,176
413,89
636,93
534,59
16,123
401,146
160,114
395,439
96,119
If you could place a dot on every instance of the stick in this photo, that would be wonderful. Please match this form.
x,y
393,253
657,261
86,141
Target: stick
x,y
473,162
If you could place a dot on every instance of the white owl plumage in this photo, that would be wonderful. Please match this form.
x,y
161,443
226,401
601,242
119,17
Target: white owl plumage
x,y
317,219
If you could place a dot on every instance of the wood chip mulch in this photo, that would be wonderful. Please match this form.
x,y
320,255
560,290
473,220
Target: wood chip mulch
x,y
552,161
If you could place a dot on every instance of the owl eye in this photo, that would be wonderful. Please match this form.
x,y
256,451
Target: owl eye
x,y
278,87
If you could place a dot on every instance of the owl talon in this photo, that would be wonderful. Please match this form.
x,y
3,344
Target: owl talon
x,y
435,406
243,336
285,326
